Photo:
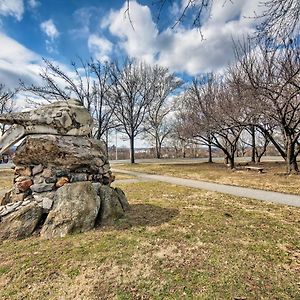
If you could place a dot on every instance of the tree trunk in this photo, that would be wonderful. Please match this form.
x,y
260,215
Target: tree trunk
x,y
132,160
226,160
209,153
183,152
158,148
231,161
291,158
253,144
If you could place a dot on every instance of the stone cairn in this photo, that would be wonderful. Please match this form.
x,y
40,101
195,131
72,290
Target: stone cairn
x,y
61,178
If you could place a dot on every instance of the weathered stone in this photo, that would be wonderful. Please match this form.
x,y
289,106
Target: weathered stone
x,y
24,185
22,171
47,203
6,198
38,179
62,117
79,177
67,153
14,197
122,198
21,223
52,179
47,173
62,173
111,208
42,187
21,178
61,181
37,169
76,208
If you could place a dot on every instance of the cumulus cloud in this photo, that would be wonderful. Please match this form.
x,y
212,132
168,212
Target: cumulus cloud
x,y
183,49
17,62
138,34
50,30
14,8
99,47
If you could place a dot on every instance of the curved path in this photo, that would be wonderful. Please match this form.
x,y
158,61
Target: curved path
x,y
257,194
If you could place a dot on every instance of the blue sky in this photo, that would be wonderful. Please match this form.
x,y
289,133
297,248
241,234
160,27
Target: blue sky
x,y
61,30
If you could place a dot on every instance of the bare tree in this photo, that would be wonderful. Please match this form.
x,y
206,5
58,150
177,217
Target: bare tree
x,y
157,120
281,18
6,103
217,115
273,75
132,93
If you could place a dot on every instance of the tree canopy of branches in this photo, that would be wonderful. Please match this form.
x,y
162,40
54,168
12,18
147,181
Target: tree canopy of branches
x,y
273,76
157,122
89,82
132,93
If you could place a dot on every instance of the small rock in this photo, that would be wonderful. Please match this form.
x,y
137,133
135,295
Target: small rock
x,y
37,169
23,171
6,198
38,179
61,181
52,179
17,197
21,178
61,173
42,187
25,202
47,203
79,177
24,185
47,173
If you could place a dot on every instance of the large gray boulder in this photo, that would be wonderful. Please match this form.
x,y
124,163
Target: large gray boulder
x,y
113,205
61,152
75,209
21,223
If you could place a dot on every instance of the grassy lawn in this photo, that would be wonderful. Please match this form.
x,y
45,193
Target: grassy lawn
x,y
121,176
273,178
176,243
6,178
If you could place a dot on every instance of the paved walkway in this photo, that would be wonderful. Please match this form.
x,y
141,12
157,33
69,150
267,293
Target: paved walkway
x,y
281,198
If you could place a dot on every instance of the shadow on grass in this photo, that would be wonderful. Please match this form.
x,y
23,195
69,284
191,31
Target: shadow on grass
x,y
146,215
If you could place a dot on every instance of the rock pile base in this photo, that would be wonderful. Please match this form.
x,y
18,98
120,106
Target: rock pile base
x,y
61,186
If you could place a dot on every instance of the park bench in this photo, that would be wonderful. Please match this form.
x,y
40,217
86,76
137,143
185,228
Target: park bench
x,y
251,168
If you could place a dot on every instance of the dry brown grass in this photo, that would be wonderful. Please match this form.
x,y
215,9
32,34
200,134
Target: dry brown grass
x,y
273,178
6,179
176,243
121,176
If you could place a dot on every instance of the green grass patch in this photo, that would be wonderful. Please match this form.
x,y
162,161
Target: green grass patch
x,y
175,243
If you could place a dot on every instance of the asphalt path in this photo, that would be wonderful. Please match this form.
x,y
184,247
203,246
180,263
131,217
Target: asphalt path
x,y
287,199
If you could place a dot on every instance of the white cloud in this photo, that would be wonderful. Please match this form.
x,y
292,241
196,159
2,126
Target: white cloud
x,y
17,62
136,38
182,49
49,28
14,8
33,4
99,47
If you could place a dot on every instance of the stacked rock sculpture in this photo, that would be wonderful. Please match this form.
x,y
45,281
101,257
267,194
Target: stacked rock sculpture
x,y
62,176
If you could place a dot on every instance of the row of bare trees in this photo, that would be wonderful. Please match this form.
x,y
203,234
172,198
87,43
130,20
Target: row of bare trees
x,y
258,96
132,97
